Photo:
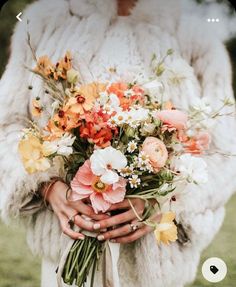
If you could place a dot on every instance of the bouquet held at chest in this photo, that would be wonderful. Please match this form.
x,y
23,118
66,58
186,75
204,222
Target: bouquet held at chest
x,y
116,140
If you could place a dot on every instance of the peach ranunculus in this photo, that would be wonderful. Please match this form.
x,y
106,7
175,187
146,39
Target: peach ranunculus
x,y
156,150
166,230
84,98
87,185
198,144
173,119
32,154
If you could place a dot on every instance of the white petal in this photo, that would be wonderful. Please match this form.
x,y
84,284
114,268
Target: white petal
x,y
98,163
110,177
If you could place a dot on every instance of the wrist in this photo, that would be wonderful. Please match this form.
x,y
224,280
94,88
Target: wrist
x,y
49,187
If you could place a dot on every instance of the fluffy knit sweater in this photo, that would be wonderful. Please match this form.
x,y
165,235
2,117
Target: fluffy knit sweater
x,y
92,30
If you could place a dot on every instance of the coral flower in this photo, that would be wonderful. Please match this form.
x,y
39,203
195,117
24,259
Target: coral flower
x,y
156,150
32,154
166,230
87,185
96,129
84,98
173,119
198,144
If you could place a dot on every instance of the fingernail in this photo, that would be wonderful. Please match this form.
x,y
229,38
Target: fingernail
x,y
96,226
113,241
103,230
81,237
100,237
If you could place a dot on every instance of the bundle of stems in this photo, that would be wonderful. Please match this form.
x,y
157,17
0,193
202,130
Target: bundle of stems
x,y
82,258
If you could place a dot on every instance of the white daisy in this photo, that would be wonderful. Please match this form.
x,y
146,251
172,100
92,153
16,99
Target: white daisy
x,y
134,181
132,146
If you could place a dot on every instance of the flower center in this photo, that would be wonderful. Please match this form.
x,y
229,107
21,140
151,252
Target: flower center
x,y
109,166
98,185
80,99
61,114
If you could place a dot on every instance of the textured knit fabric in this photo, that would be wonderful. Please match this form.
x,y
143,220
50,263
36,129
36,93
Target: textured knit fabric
x,y
101,42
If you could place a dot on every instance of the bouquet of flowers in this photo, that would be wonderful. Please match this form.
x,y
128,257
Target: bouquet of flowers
x,y
116,140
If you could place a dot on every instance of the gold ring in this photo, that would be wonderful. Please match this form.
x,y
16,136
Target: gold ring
x,y
71,220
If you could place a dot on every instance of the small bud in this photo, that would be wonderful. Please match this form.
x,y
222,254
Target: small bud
x,y
160,69
130,132
72,76
170,52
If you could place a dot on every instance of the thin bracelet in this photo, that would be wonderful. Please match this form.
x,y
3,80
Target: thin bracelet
x,y
49,186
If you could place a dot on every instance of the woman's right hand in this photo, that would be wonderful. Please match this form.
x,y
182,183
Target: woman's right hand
x,y
65,210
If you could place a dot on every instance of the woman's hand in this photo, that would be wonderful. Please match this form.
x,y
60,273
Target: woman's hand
x,y
65,210
125,233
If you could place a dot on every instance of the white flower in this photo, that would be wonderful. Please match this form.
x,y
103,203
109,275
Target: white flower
x,y
136,116
143,162
194,169
132,146
134,181
119,119
105,162
153,88
62,146
127,171
129,93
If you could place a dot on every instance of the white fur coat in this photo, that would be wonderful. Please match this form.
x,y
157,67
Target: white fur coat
x,y
92,29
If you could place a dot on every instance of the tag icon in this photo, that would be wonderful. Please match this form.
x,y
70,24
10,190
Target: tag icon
x,y
214,270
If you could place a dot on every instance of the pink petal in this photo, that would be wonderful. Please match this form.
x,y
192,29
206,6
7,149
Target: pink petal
x,y
174,118
117,193
98,203
84,175
81,188
75,196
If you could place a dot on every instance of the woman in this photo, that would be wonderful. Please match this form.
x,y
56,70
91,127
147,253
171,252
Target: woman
x,y
116,39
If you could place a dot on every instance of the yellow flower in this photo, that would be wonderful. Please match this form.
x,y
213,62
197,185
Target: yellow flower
x,y
166,230
32,154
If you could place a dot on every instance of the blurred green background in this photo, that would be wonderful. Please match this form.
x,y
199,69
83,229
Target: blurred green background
x,y
19,268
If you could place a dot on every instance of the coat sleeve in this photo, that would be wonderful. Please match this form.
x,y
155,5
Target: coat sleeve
x,y
201,208
17,188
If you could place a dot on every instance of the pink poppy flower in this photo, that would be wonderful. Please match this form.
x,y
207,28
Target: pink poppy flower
x,y
173,119
87,185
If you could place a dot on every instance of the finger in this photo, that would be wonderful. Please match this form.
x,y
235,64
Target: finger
x,y
115,220
121,205
68,231
85,209
83,223
133,236
120,231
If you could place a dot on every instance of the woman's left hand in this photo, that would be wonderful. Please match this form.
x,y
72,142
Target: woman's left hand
x,y
127,228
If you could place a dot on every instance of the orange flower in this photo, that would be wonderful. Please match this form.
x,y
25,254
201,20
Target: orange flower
x,y
126,101
61,122
84,98
37,108
44,67
118,89
64,65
